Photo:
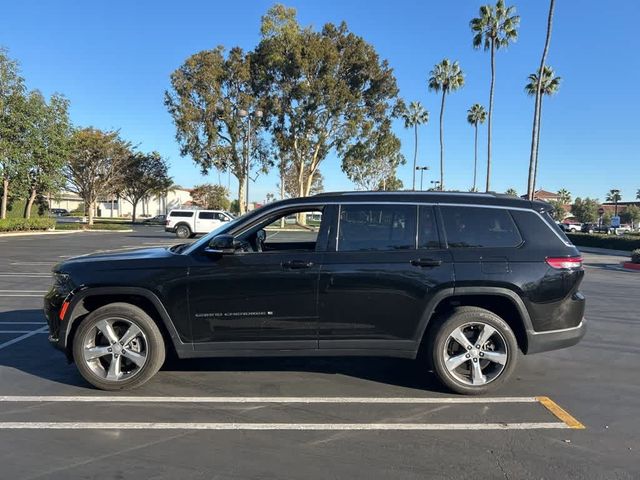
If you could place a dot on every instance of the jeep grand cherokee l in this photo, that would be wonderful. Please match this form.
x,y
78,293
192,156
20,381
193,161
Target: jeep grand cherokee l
x,y
458,281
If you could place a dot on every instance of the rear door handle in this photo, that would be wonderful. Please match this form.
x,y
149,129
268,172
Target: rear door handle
x,y
426,262
297,264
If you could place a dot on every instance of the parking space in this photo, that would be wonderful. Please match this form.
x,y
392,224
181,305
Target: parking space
x,y
313,417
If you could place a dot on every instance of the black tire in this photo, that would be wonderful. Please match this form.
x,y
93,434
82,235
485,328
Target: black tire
x,y
183,231
150,337
470,320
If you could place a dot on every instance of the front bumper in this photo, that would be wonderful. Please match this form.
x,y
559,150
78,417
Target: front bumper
x,y
555,339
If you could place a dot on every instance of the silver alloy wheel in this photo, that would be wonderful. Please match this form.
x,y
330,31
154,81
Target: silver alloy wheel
x,y
475,353
115,349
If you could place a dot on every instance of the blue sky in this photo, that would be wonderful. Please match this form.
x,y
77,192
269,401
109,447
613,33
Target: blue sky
x,y
113,60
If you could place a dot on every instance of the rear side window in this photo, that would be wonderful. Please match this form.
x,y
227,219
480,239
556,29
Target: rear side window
x,y
181,214
555,227
427,228
468,227
376,227
206,215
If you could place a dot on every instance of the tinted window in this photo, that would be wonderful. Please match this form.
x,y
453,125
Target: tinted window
x,y
206,215
377,227
181,214
427,229
479,227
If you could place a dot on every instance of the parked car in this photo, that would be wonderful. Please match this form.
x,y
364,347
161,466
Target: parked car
x,y
376,277
157,220
189,223
571,226
59,212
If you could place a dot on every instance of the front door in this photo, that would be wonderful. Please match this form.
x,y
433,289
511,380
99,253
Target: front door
x,y
264,295
376,282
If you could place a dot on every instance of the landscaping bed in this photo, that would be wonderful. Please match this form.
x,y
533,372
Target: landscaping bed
x,y
27,224
613,242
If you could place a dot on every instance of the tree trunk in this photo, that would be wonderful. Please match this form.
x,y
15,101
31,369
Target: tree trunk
x,y
241,194
134,207
282,165
415,154
29,205
537,112
90,211
444,92
489,120
475,156
5,197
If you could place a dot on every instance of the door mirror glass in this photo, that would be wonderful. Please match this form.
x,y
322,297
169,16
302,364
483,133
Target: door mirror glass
x,y
222,245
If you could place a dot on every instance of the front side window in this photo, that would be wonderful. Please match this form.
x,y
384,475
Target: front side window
x,y
479,227
376,227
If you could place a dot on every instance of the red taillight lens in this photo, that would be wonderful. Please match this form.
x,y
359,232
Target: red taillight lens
x,y
564,262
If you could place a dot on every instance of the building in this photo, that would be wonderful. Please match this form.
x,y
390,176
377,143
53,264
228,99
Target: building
x,y
544,195
119,207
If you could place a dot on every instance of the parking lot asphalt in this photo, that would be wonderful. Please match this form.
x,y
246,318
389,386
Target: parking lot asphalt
x,y
312,417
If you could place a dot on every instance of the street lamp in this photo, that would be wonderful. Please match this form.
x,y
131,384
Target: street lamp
x,y
422,169
247,148
436,184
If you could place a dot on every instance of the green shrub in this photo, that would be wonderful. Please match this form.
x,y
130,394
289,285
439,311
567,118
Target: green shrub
x,y
613,242
635,256
23,224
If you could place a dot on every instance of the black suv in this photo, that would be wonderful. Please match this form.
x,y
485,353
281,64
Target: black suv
x,y
460,281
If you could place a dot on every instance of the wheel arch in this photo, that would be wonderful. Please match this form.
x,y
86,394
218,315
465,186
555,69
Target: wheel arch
x,y
87,300
503,302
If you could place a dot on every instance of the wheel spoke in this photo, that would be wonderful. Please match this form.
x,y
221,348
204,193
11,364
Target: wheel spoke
x,y
485,334
115,371
495,357
455,361
106,328
459,336
91,353
132,332
137,358
477,376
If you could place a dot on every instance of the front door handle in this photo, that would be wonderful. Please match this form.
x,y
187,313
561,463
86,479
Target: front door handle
x,y
297,264
426,262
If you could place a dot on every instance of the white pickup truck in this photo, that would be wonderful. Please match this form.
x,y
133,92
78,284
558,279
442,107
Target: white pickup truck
x,y
189,223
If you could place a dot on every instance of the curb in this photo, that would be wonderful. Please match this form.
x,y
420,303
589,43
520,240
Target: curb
x,y
631,266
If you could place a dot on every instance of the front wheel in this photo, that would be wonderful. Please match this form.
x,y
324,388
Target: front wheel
x,y
118,347
474,351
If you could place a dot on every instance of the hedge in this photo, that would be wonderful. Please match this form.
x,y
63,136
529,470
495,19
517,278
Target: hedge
x,y
635,256
24,224
613,242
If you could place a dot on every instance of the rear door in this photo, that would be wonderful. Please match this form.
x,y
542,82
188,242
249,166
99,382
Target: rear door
x,y
385,265
207,221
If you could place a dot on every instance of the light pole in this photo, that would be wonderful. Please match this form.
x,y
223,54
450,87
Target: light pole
x,y
247,148
422,169
436,184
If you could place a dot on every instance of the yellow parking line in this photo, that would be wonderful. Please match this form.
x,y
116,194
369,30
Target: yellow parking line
x,y
560,412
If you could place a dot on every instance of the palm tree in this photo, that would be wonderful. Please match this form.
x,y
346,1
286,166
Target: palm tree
x,y
446,77
535,132
564,196
638,194
414,116
549,85
495,28
475,115
614,196
512,192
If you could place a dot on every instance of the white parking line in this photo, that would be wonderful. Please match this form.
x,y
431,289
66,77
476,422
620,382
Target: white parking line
x,y
384,400
31,275
22,291
32,263
23,337
274,426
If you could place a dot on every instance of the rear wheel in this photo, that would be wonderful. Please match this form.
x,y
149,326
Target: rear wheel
x,y
183,231
474,351
117,347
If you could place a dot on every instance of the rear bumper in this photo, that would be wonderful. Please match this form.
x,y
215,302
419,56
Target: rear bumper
x,y
555,339
170,229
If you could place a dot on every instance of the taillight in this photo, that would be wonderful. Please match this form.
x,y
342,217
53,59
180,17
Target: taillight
x,y
167,222
564,262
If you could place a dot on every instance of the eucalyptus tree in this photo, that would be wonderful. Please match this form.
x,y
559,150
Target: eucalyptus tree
x,y
414,116
48,140
144,174
96,163
13,125
446,77
493,29
549,85
537,111
210,96
320,90
476,115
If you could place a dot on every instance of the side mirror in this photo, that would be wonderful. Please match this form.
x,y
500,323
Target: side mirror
x,y
222,245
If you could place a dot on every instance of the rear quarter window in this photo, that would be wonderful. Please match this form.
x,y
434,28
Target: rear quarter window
x,y
479,227
181,214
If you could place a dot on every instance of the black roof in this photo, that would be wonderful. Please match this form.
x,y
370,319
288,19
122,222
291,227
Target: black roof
x,y
498,199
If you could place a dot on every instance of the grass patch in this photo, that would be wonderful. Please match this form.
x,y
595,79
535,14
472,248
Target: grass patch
x,y
613,242
25,225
